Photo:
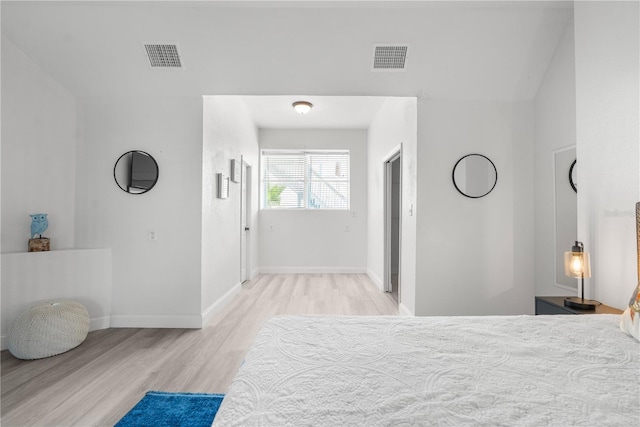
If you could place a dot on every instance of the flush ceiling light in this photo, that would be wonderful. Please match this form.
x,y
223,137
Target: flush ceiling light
x,y
302,107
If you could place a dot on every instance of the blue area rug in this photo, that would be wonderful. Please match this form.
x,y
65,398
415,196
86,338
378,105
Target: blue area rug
x,y
160,409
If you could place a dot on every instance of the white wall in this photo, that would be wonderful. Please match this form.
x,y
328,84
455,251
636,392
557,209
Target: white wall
x,y
39,176
607,46
394,124
555,129
80,275
475,256
38,152
229,133
316,240
155,283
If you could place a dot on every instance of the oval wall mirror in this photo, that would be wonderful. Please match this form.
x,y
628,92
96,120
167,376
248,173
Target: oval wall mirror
x,y
573,176
474,176
136,172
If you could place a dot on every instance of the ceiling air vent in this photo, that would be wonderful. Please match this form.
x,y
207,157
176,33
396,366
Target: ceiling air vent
x,y
387,57
163,55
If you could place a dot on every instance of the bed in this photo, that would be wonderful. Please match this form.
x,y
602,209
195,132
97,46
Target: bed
x,y
449,371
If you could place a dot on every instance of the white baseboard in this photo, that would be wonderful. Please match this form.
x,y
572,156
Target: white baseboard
x,y
312,270
100,323
94,325
404,311
185,322
125,321
217,306
375,279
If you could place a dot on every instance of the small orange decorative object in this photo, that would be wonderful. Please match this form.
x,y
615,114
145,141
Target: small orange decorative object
x,y
39,245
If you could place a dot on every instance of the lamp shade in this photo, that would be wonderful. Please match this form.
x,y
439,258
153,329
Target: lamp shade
x,y
577,263
302,107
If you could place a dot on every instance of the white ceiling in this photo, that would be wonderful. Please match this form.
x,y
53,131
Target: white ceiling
x,y
334,112
457,50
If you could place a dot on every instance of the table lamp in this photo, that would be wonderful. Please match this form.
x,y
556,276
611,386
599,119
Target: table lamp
x,y
577,265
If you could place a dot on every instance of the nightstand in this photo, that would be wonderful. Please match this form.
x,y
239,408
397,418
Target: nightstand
x,y
555,305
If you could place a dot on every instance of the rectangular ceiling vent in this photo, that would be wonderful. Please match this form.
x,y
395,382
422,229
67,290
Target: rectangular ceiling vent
x,y
390,57
163,55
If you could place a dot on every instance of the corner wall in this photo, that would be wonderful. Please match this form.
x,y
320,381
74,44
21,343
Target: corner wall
x,y
607,39
229,133
315,241
555,128
155,283
394,124
38,153
475,256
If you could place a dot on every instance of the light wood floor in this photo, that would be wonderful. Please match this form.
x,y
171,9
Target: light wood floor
x,y
96,383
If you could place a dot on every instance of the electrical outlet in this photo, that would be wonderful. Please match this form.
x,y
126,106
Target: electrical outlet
x,y
153,236
270,227
347,228
353,214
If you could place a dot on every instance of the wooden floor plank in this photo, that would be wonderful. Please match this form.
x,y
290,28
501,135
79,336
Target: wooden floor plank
x,y
98,382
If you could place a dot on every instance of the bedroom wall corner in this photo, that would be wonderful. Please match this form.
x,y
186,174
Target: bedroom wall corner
x,y
607,40
149,290
38,152
555,129
476,255
394,124
228,133
333,249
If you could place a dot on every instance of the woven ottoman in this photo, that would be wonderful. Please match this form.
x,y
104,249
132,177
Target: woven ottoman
x,y
47,329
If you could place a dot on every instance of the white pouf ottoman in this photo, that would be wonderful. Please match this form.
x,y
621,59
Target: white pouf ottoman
x,y
48,328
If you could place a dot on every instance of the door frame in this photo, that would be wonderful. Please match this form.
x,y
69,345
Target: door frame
x,y
245,213
387,167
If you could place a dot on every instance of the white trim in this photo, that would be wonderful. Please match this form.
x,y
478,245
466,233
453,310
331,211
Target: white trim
x,y
245,242
375,279
159,321
94,325
221,303
313,270
395,154
403,310
555,223
100,323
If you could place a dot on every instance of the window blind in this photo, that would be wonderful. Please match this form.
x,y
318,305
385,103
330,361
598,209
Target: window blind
x,y
305,179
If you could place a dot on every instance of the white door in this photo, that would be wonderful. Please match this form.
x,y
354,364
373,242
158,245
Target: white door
x,y
244,228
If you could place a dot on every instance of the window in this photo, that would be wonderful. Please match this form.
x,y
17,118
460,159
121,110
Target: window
x,y
305,179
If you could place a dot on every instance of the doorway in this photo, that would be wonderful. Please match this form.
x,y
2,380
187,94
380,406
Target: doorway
x,y
392,222
245,215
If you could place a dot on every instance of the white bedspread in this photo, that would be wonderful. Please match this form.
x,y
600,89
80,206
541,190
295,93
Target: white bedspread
x,y
448,371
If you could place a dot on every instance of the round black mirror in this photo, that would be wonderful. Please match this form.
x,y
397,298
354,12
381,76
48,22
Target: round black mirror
x,y
474,175
573,176
136,172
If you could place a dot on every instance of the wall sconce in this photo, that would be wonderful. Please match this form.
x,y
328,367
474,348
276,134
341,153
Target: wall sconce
x,y
577,265
302,107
